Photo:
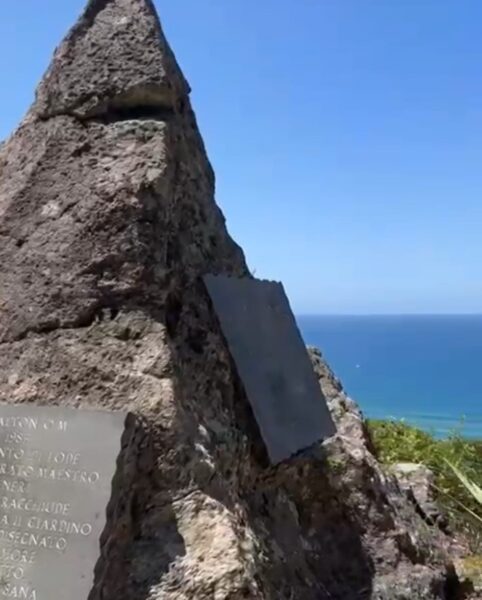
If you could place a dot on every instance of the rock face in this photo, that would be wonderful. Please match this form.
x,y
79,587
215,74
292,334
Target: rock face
x,y
418,481
408,558
107,223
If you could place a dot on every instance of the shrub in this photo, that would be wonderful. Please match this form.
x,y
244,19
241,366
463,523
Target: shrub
x,y
396,441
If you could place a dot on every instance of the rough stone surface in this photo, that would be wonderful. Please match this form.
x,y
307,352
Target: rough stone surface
x,y
110,62
416,478
469,571
107,223
418,482
409,557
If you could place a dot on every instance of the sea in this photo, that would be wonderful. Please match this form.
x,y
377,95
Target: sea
x,y
425,370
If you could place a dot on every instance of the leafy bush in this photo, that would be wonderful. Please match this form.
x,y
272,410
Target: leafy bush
x,y
396,441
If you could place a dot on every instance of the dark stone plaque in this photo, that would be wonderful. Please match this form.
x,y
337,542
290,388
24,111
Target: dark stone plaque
x,y
272,362
56,470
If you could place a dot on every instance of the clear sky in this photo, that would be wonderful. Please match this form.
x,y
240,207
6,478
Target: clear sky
x,y
346,136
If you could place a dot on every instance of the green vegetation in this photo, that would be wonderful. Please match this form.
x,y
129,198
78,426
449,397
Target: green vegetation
x,y
473,489
456,462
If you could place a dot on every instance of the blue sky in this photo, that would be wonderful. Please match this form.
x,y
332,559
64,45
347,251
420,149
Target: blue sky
x,y
346,136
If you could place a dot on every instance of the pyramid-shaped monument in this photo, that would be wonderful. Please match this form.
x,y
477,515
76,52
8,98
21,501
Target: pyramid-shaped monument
x,y
121,293
106,191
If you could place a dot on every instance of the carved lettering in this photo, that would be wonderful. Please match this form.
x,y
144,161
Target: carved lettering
x,y
12,453
9,572
13,486
59,526
24,538
22,472
19,422
64,458
16,555
30,505
17,591
54,489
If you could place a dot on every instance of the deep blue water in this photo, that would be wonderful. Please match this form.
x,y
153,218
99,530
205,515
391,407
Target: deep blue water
x,y
425,369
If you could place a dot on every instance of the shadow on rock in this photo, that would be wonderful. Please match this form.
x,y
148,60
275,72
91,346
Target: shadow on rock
x,y
141,539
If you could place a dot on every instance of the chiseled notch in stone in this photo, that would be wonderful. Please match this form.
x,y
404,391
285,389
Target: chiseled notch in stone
x,y
56,471
116,56
272,362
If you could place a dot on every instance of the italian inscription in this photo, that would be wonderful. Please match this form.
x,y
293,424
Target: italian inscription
x,y
56,470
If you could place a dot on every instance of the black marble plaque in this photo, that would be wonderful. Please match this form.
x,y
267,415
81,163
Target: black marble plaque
x,y
272,362
56,470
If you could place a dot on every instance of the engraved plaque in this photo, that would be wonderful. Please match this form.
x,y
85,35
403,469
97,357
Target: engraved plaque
x,y
272,362
56,470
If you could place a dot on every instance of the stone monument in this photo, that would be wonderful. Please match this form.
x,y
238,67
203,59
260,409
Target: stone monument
x,y
108,224
108,229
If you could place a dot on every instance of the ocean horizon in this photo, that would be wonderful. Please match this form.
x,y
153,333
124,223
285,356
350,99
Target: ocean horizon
x,y
424,369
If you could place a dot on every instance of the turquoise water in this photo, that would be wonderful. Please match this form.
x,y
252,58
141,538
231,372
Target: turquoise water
x,y
425,369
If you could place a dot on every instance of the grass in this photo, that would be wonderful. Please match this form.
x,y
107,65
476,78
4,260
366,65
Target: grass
x,y
474,490
456,461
